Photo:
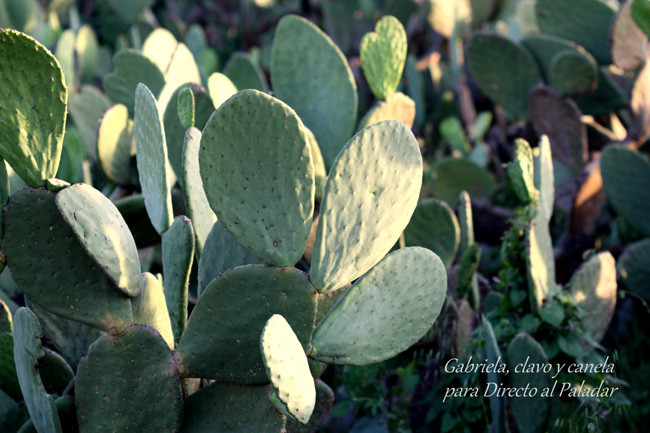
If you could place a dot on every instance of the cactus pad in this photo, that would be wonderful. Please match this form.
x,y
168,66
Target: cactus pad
x,y
244,73
530,413
309,72
174,129
221,253
540,259
177,257
153,167
491,58
521,172
593,286
324,403
287,369
65,279
370,195
220,88
128,383
633,268
33,109
232,312
451,176
383,54
115,143
86,108
150,308
626,179
257,173
227,407
434,226
103,233
397,106
544,176
186,107
8,376
385,311
198,208
27,351
586,22
493,353
320,172
131,68
641,14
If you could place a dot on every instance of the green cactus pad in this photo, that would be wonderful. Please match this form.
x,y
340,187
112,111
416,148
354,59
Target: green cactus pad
x,y
12,414
491,59
633,268
227,407
86,108
257,173
232,312
451,176
287,369
198,208
87,50
245,74
65,55
174,129
530,413
309,72
544,48
324,403
65,279
607,97
8,376
641,14
444,15
150,308
593,286
186,107
103,234
55,373
320,172
33,111
626,179
135,214
159,47
465,222
398,106
521,172
220,88
70,338
383,54
27,352
115,143
221,253
155,173
177,257
131,68
540,260
370,195
586,22
385,311
128,382
182,69
434,226
493,353
544,176
560,119
572,73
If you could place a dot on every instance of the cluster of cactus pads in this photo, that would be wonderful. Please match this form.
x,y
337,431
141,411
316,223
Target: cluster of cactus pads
x,y
261,327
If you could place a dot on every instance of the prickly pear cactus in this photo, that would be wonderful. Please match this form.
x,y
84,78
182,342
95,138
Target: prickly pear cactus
x,y
33,109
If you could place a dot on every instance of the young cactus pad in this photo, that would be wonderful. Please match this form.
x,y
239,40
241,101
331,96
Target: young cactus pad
x,y
383,53
385,311
258,175
287,369
33,109
370,195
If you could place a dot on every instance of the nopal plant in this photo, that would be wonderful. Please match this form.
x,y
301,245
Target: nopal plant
x,y
127,358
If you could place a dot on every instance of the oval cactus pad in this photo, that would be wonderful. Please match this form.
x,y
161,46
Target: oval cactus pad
x,y
222,337
385,312
287,369
128,383
65,280
383,54
153,167
370,195
258,175
309,72
103,233
33,109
